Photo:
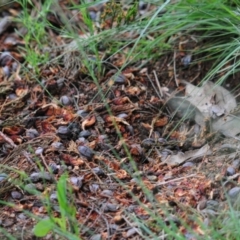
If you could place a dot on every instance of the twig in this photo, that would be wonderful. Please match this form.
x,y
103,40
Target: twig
x,y
177,179
153,86
86,163
45,163
158,83
135,227
174,68
10,141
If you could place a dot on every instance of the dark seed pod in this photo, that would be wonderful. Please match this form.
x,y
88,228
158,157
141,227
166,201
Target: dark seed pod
x,y
230,171
16,195
12,96
74,128
186,60
65,100
60,82
236,163
41,176
82,113
94,188
119,79
53,196
77,181
148,143
64,132
106,193
6,71
85,133
54,167
31,133
96,237
57,145
86,152
234,192
188,164
110,207
98,171
212,204
3,176
93,15
39,151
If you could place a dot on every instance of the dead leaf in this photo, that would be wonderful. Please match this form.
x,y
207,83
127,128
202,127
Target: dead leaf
x,y
161,122
181,157
88,122
228,125
185,109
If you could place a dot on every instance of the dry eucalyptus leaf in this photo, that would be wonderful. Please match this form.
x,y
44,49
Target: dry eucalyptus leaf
x,y
211,99
198,97
185,109
181,157
223,98
228,125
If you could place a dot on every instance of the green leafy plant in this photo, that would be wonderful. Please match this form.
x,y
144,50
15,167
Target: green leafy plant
x,y
66,223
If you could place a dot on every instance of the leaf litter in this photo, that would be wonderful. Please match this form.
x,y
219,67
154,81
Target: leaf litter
x,y
63,124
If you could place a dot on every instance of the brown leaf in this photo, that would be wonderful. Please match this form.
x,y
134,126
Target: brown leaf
x,y
88,122
122,174
161,122
20,92
13,130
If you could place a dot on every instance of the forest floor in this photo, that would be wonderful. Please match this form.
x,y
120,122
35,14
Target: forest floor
x,y
88,133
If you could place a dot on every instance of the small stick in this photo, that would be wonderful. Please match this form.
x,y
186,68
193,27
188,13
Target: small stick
x,y
177,179
174,68
10,141
158,83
